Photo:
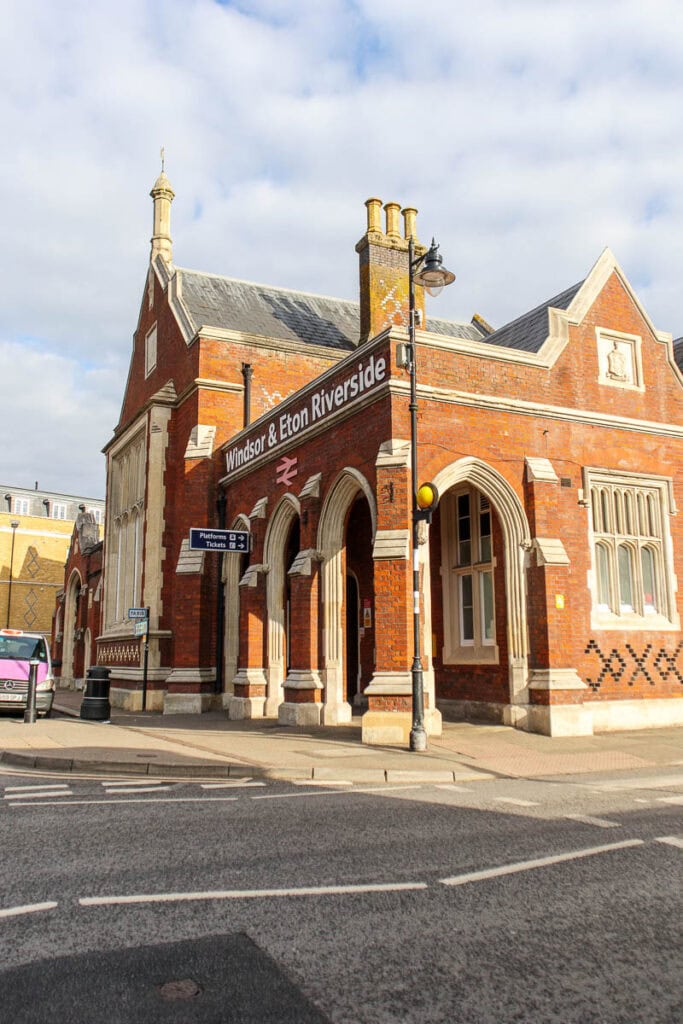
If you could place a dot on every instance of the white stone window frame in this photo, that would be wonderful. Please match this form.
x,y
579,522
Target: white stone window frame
x,y
613,489
58,510
151,350
456,650
633,343
125,527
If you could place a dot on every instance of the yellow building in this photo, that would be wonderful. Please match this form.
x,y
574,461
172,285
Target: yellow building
x,y
35,532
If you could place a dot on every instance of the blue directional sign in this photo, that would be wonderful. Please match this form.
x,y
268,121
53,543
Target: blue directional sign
x,y
219,540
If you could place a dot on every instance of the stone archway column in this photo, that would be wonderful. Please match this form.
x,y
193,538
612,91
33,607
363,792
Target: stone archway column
x,y
249,685
303,684
389,715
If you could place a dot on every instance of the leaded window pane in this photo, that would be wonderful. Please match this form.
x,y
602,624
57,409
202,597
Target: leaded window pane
x,y
487,622
466,609
647,561
603,575
625,577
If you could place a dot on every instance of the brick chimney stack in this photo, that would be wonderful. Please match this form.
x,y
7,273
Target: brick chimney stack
x,y
383,268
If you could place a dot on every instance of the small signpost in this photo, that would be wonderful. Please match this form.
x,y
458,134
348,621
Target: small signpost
x,y
219,540
141,615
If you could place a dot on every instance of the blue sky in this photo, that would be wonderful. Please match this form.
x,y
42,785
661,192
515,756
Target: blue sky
x,y
528,134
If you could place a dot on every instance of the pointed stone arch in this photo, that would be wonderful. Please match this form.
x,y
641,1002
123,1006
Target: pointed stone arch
x,y
73,590
348,485
286,511
516,542
231,604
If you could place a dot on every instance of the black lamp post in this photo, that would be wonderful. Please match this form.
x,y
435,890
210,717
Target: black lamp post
x,y
428,272
14,524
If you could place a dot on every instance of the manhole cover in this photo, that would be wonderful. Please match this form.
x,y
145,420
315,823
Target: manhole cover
x,y
185,988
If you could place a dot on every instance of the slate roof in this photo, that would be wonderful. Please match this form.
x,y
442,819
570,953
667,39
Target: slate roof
x,y
223,302
678,352
453,329
529,331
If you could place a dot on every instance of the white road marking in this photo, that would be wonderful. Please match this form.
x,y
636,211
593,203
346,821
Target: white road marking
x,y
641,800
128,783
517,803
130,800
136,789
36,796
586,819
246,894
678,800
670,841
540,862
452,787
321,782
28,789
655,782
29,908
244,784
341,792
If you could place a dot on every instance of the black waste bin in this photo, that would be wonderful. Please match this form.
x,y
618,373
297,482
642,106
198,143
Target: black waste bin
x,y
95,706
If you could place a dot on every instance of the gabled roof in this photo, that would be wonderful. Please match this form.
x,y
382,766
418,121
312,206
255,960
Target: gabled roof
x,y
222,302
228,304
529,331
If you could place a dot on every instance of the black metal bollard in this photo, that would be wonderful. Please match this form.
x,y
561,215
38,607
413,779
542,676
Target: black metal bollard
x,y
95,706
30,714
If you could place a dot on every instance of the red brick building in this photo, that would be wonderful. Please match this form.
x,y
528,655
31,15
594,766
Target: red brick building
x,y
77,616
549,597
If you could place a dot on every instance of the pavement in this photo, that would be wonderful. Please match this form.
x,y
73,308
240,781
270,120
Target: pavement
x,y
210,746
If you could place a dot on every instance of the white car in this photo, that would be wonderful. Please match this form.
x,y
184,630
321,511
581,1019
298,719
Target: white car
x,y
16,650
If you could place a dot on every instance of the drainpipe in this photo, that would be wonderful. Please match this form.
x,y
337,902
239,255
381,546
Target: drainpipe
x,y
247,373
221,502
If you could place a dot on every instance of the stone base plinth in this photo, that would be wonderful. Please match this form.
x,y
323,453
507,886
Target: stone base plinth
x,y
131,700
559,719
301,713
187,703
245,707
392,728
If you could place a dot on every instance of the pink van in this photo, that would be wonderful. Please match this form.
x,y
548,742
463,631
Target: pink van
x,y
16,650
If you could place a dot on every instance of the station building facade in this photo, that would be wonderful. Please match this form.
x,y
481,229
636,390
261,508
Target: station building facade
x,y
548,576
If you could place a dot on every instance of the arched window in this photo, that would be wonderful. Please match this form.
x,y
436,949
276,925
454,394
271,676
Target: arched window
x,y
631,576
124,528
467,542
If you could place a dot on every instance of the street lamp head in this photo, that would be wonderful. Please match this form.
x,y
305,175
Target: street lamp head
x,y
431,275
14,524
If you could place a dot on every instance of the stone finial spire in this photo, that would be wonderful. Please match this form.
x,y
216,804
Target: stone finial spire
x,y
162,193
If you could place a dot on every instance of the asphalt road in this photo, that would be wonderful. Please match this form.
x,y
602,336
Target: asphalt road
x,y
507,900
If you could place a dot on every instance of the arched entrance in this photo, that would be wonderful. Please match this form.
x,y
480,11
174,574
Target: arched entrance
x,y
347,527
281,545
71,602
353,686
479,553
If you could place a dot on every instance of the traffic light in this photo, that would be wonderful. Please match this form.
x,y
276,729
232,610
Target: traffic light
x,y
426,500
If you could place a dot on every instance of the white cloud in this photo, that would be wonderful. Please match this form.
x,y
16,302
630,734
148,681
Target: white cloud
x,y
529,135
